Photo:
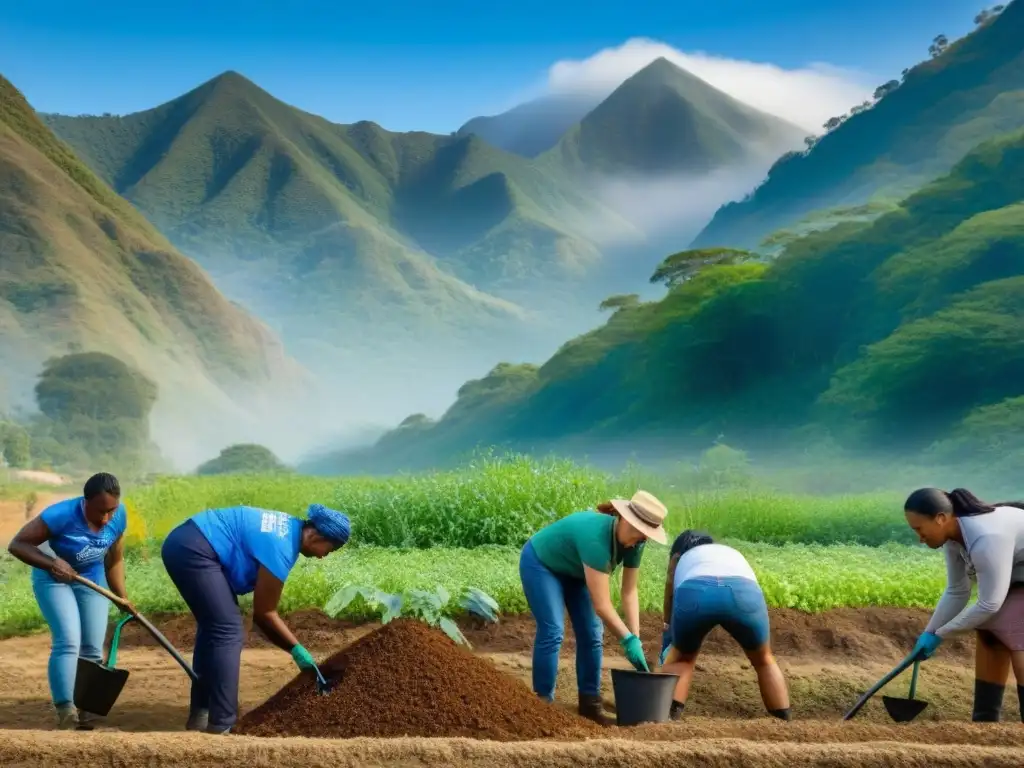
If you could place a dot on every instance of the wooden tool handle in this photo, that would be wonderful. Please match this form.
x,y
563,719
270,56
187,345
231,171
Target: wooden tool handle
x,y
157,635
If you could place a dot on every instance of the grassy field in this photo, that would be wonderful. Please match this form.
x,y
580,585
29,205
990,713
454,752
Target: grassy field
x,y
465,528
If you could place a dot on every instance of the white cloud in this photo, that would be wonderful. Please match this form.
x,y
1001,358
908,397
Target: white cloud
x,y
806,96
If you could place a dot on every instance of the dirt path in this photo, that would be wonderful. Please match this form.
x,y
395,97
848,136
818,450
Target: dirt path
x,y
12,513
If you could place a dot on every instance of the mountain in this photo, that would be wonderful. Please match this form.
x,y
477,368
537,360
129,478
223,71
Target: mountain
x,y
663,121
345,235
972,91
902,334
81,269
530,128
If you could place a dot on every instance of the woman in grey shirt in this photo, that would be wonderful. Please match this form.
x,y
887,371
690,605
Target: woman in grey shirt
x,y
986,542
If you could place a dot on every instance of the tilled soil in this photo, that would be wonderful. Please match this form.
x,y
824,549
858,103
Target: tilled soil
x,y
408,679
70,750
847,634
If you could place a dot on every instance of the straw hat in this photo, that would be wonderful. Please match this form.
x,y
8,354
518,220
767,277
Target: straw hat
x,y
645,513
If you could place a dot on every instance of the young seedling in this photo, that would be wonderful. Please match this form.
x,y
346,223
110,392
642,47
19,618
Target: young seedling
x,y
431,607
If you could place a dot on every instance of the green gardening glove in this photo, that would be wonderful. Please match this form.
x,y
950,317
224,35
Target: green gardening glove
x,y
303,659
634,652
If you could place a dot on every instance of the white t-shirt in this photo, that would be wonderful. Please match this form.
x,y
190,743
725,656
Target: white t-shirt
x,y
712,560
995,555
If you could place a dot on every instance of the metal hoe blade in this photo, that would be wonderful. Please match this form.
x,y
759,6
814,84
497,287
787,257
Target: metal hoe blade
x,y
322,686
905,710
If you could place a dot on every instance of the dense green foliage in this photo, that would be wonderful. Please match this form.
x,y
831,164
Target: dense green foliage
x,y
501,501
798,576
967,92
886,334
94,410
464,529
244,458
15,445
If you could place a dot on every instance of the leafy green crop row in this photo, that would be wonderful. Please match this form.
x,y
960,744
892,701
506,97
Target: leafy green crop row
x,y
807,577
502,502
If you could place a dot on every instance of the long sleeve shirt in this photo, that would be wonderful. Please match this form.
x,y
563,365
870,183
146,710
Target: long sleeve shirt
x,y
994,554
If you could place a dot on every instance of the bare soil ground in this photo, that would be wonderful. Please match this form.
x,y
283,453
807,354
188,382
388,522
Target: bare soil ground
x,y
829,660
13,515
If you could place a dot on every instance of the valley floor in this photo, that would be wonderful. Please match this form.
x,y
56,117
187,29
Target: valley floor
x,y
829,659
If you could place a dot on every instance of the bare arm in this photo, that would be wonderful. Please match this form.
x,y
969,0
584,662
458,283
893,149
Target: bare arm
x,y
266,597
600,595
631,599
25,547
114,565
669,590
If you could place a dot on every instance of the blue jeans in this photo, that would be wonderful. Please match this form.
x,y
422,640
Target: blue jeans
x,y
77,618
199,577
549,594
732,602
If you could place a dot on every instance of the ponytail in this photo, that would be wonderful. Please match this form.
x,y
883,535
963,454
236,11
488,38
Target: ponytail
x,y
966,504
959,502
607,508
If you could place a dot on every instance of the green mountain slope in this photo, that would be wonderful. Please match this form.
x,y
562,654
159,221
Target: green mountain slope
x,y
943,107
329,230
80,268
664,120
899,334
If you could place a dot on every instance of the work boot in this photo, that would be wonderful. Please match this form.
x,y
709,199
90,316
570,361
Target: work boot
x,y
217,730
198,720
87,721
67,717
592,708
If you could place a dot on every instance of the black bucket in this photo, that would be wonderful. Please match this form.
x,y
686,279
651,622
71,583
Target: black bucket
x,y
642,697
97,686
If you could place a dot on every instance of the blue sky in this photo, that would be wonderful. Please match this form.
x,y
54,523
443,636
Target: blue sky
x,y
420,65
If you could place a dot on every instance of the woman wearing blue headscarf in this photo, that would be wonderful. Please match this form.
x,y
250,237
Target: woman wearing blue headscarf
x,y
219,554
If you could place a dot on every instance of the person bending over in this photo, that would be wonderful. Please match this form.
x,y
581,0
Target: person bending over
x,y
983,542
710,585
217,555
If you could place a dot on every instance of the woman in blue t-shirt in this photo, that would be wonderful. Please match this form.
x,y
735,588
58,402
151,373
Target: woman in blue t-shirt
x,y
83,535
219,554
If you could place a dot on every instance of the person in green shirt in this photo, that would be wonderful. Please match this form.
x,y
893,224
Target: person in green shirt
x,y
567,565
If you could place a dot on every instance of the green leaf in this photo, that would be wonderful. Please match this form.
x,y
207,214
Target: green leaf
x,y
480,603
393,607
341,600
451,629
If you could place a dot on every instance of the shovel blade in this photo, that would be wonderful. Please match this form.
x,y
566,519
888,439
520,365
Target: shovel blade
x,y
903,710
97,687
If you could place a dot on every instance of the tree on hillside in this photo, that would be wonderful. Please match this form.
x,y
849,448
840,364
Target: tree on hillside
x,y
242,458
619,302
94,385
987,15
885,89
938,46
96,402
15,445
682,266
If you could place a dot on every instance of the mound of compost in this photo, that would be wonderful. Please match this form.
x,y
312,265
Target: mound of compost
x,y
409,679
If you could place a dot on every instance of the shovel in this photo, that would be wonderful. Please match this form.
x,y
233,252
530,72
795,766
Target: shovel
x,y
164,642
905,710
98,685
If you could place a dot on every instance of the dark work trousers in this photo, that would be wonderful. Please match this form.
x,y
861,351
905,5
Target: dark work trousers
x,y
197,573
